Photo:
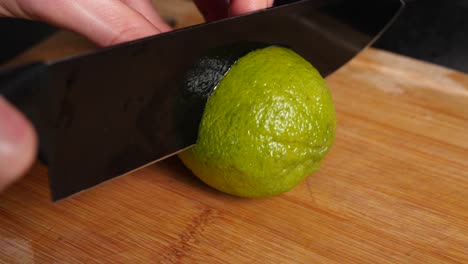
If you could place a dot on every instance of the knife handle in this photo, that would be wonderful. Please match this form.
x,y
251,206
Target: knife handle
x,y
20,86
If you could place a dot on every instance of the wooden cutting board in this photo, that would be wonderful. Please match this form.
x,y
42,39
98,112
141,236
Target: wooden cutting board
x,y
394,188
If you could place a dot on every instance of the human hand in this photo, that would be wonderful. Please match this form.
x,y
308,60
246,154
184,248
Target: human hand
x,y
105,22
108,22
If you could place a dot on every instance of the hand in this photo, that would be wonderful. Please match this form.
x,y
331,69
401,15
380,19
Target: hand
x,y
109,22
104,22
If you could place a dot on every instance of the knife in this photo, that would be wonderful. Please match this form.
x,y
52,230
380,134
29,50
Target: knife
x,y
106,113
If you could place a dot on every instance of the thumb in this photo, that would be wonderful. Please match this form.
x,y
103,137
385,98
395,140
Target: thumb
x,y
238,7
18,144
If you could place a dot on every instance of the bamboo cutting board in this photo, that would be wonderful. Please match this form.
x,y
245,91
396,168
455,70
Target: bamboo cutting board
x,y
394,189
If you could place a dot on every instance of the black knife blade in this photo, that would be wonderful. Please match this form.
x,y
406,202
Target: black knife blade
x,y
105,113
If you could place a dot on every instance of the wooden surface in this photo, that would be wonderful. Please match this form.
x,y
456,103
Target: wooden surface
x,y
394,189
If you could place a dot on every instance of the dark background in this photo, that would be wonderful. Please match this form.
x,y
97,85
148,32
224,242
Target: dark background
x,y
431,30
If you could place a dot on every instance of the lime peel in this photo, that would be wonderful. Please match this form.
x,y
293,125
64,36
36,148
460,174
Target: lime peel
x,y
266,127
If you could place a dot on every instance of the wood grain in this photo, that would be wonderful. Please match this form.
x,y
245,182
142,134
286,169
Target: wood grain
x,y
394,189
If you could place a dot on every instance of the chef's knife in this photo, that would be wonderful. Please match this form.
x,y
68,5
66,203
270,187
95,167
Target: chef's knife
x,y
106,113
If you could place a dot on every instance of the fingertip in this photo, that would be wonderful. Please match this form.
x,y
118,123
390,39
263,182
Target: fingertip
x,y
238,7
18,144
128,33
147,10
162,26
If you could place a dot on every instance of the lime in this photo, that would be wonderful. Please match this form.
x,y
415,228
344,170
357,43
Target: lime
x,y
266,127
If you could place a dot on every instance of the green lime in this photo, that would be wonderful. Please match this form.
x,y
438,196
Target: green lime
x,y
266,127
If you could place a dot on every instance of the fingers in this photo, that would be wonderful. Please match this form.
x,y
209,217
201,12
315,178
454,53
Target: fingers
x,y
18,144
219,9
146,8
104,22
238,7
